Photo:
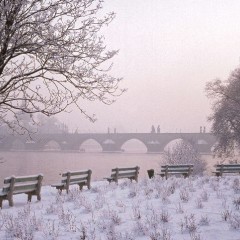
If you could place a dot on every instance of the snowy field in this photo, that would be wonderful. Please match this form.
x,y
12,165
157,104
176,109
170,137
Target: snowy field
x,y
201,208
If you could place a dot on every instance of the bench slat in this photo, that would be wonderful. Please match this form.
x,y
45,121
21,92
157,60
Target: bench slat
x,y
226,168
76,177
22,184
175,170
177,166
184,169
75,173
129,172
23,188
124,169
228,165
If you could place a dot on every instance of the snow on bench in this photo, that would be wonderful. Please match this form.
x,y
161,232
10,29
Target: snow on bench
x,y
118,173
183,169
31,185
81,178
226,168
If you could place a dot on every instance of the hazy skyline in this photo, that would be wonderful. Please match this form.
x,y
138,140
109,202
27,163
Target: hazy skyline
x,y
168,50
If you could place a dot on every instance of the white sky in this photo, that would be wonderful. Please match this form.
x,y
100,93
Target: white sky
x,y
169,49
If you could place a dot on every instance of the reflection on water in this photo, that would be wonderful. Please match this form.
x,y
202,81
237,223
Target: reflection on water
x,y
51,164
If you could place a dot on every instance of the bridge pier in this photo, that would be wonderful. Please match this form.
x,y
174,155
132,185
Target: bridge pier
x,y
111,148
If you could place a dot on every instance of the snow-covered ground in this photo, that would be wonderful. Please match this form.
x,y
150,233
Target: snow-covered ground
x,y
196,208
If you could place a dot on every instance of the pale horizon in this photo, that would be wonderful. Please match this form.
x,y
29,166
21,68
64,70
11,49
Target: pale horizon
x,y
168,50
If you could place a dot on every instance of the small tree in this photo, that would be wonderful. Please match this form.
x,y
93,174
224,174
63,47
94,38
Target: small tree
x,y
184,153
225,116
52,56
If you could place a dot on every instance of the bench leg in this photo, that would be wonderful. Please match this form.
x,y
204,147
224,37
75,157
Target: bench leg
x,y
39,197
1,200
185,175
29,197
10,201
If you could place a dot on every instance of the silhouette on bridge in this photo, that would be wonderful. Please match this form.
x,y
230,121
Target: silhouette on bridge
x,y
110,142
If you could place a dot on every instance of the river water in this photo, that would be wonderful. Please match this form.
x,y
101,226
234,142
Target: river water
x,y
51,164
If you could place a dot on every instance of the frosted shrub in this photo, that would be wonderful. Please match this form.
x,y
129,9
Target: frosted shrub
x,y
124,184
226,214
121,206
83,201
236,185
184,195
171,188
59,199
99,201
235,221
52,208
112,216
236,203
132,192
136,212
111,233
199,203
141,227
22,226
87,230
68,219
188,224
161,234
214,185
153,219
73,195
204,221
179,208
148,191
195,236
185,153
220,194
164,216
165,193
204,196
1,220
126,236
50,230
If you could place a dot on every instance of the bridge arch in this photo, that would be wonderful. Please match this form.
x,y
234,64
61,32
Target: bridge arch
x,y
18,145
134,145
90,145
173,143
202,142
51,145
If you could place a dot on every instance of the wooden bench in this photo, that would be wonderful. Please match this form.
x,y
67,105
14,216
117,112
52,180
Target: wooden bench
x,y
118,173
81,178
226,168
182,169
31,185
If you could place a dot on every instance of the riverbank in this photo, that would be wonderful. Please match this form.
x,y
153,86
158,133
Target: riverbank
x,y
202,208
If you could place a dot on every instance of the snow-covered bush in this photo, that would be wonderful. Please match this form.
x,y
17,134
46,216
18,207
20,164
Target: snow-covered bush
x,y
184,153
235,221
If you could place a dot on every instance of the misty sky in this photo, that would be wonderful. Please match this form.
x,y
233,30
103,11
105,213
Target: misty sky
x,y
169,49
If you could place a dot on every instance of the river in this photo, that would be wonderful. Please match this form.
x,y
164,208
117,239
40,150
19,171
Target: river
x,y
51,164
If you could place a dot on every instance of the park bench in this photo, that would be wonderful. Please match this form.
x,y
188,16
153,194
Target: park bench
x,y
31,185
81,178
119,173
226,168
178,169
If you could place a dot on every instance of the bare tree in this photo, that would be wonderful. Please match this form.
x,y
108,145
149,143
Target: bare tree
x,y
184,153
52,56
226,113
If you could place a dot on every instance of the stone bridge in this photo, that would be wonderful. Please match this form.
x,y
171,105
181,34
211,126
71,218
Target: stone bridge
x,y
109,142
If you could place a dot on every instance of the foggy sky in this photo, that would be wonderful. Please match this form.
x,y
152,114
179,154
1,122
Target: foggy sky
x,y
169,49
